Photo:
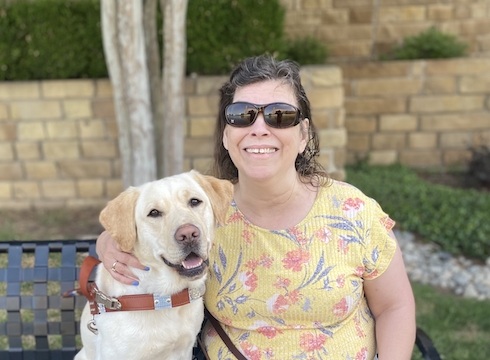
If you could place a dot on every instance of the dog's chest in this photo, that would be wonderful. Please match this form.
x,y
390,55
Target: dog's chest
x,y
150,334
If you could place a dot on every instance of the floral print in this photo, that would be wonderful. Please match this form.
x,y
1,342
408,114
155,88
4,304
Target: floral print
x,y
297,293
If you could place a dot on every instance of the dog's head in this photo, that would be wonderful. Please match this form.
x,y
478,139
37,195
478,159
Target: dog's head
x,y
170,221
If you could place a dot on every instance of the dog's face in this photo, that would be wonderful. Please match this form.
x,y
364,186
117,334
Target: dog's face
x,y
170,221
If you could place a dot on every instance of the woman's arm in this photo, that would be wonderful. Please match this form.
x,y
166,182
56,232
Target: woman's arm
x,y
391,301
109,253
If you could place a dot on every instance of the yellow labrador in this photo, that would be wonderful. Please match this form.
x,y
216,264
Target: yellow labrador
x,y
169,226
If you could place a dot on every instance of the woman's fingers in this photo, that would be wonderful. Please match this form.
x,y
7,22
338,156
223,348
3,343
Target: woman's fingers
x,y
117,261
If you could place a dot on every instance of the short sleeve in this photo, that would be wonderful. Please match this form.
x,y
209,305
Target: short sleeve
x,y
380,246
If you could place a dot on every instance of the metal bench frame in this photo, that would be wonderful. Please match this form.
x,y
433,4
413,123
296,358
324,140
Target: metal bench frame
x,y
14,301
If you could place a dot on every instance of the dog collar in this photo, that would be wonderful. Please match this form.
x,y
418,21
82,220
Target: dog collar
x,y
101,303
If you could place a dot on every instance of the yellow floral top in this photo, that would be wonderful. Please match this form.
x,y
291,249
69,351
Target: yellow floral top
x,y
298,293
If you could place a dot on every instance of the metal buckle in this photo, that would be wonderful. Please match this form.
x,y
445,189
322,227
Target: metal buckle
x,y
108,302
92,326
194,294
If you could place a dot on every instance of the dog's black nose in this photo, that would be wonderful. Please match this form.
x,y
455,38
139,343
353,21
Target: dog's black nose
x,y
187,233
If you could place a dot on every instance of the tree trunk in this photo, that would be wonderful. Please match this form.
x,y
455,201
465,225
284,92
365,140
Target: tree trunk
x,y
155,75
124,48
174,55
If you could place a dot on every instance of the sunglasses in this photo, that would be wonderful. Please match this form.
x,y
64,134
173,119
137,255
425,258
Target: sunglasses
x,y
276,115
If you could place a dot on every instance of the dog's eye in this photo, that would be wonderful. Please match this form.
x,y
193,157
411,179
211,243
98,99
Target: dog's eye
x,y
194,202
154,213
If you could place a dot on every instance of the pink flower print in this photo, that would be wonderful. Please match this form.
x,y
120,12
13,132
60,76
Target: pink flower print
x,y
282,283
266,261
277,304
341,281
269,332
299,236
343,307
252,352
293,296
295,259
310,342
372,275
249,280
235,217
342,246
363,354
226,321
324,234
247,235
252,264
359,330
352,206
359,271
387,222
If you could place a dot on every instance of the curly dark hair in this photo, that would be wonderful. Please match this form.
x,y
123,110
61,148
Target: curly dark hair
x,y
257,69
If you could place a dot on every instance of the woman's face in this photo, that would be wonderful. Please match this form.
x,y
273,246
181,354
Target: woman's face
x,y
259,151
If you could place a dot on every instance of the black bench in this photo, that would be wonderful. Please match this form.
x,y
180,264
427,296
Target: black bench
x,y
36,322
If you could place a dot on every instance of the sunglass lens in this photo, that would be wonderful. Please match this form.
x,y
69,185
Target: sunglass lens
x,y
240,114
281,115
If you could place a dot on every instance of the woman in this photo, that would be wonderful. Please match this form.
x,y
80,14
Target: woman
x,y
305,267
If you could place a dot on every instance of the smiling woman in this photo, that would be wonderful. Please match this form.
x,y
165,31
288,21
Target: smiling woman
x,y
302,266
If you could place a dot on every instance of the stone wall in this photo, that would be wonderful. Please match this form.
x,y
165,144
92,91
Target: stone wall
x,y
362,29
58,139
420,113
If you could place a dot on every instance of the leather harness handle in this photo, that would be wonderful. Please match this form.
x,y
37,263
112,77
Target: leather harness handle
x,y
222,334
89,263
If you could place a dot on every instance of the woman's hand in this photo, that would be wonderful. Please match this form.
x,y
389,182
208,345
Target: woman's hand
x,y
117,261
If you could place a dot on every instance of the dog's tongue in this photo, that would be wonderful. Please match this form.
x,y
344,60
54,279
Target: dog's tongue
x,y
192,261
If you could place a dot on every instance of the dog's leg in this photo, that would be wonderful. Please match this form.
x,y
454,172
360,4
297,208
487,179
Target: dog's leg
x,y
81,355
88,338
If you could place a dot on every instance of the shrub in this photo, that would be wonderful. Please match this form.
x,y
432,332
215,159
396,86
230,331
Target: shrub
x,y
222,32
430,44
456,219
61,39
51,39
307,50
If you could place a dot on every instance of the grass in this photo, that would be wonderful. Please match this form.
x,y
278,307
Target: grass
x,y
459,328
49,224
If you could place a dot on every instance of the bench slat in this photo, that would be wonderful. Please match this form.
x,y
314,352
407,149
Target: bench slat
x,y
33,309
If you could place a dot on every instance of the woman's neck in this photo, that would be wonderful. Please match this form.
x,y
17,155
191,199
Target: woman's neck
x,y
275,205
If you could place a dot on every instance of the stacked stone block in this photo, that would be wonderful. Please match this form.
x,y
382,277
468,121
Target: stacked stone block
x,y
420,113
58,144
363,29
59,139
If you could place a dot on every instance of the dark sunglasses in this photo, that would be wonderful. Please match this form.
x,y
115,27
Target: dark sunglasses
x,y
276,115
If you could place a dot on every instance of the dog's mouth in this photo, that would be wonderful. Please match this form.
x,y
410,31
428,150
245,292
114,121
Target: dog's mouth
x,y
192,266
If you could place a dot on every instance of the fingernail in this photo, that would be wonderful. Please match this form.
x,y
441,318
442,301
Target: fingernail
x,y
135,283
147,268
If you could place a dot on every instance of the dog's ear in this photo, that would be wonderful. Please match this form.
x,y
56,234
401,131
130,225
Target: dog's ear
x,y
118,218
220,192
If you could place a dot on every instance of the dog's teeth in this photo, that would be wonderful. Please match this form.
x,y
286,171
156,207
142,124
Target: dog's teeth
x,y
192,263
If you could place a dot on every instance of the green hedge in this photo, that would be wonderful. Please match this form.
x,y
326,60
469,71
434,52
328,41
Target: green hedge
x,y
429,44
221,32
51,39
456,219
60,39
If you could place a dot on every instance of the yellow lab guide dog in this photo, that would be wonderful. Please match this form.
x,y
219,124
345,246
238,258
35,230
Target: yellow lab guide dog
x,y
169,226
